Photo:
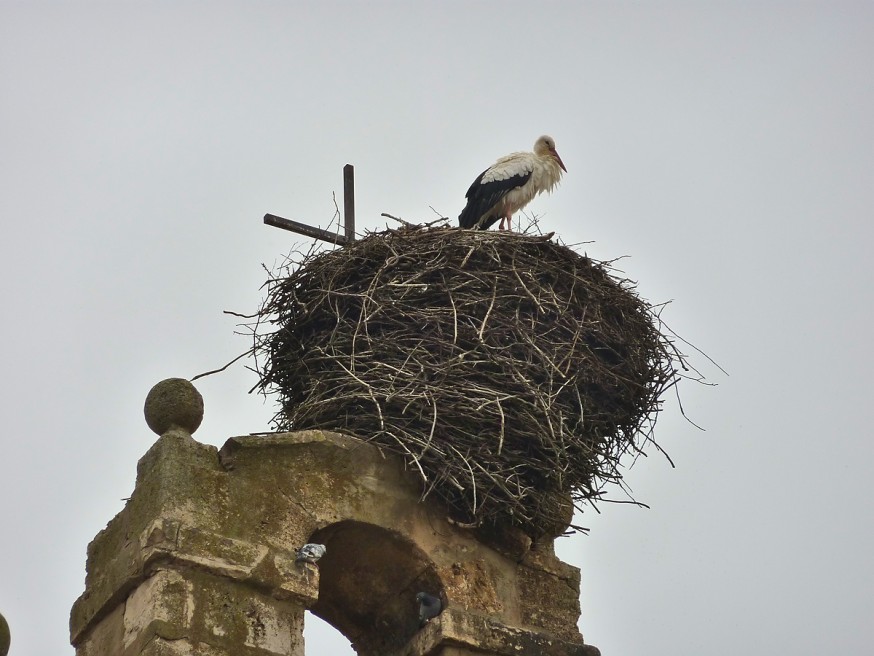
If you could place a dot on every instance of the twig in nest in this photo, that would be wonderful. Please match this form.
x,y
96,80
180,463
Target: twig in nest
x,y
399,220
215,371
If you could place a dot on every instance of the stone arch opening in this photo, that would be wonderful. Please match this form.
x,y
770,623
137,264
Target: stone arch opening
x,y
322,638
368,581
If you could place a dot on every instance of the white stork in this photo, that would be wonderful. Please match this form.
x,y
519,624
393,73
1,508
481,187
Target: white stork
x,y
509,184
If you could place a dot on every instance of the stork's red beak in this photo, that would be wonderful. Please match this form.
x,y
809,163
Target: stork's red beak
x,y
558,159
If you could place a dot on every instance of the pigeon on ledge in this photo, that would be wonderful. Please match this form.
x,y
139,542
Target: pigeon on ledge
x,y
429,606
310,553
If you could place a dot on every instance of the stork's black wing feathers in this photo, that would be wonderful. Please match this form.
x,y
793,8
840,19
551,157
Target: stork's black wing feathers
x,y
482,196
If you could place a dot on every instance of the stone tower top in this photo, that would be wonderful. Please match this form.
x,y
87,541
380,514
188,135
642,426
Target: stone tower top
x,y
202,559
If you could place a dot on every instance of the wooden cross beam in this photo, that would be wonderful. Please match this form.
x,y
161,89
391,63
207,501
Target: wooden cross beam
x,y
318,233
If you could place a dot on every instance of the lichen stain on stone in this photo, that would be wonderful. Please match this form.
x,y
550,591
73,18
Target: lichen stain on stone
x,y
474,581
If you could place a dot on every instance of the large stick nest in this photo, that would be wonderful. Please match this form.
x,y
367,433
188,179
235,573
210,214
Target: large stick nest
x,y
511,372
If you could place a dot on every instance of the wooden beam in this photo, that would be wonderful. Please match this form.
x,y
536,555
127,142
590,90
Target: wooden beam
x,y
308,231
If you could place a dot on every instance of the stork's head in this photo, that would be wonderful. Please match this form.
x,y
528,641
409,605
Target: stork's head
x,y
545,147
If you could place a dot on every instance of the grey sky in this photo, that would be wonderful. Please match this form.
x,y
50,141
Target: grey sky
x,y
726,148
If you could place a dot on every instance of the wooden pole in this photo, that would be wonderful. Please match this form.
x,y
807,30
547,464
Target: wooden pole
x,y
349,202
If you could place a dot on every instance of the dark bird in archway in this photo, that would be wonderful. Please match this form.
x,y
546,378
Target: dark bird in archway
x,y
429,607
310,553
509,184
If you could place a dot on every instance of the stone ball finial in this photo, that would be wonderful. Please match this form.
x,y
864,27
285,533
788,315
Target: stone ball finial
x,y
4,636
173,403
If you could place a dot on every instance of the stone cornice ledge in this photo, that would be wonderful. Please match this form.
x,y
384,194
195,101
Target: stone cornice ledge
x,y
167,544
480,634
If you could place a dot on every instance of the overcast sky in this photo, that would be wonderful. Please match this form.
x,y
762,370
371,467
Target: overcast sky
x,y
726,148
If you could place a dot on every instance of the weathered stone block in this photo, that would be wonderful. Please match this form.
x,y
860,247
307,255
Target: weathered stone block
x,y
234,616
162,647
160,606
551,602
107,637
